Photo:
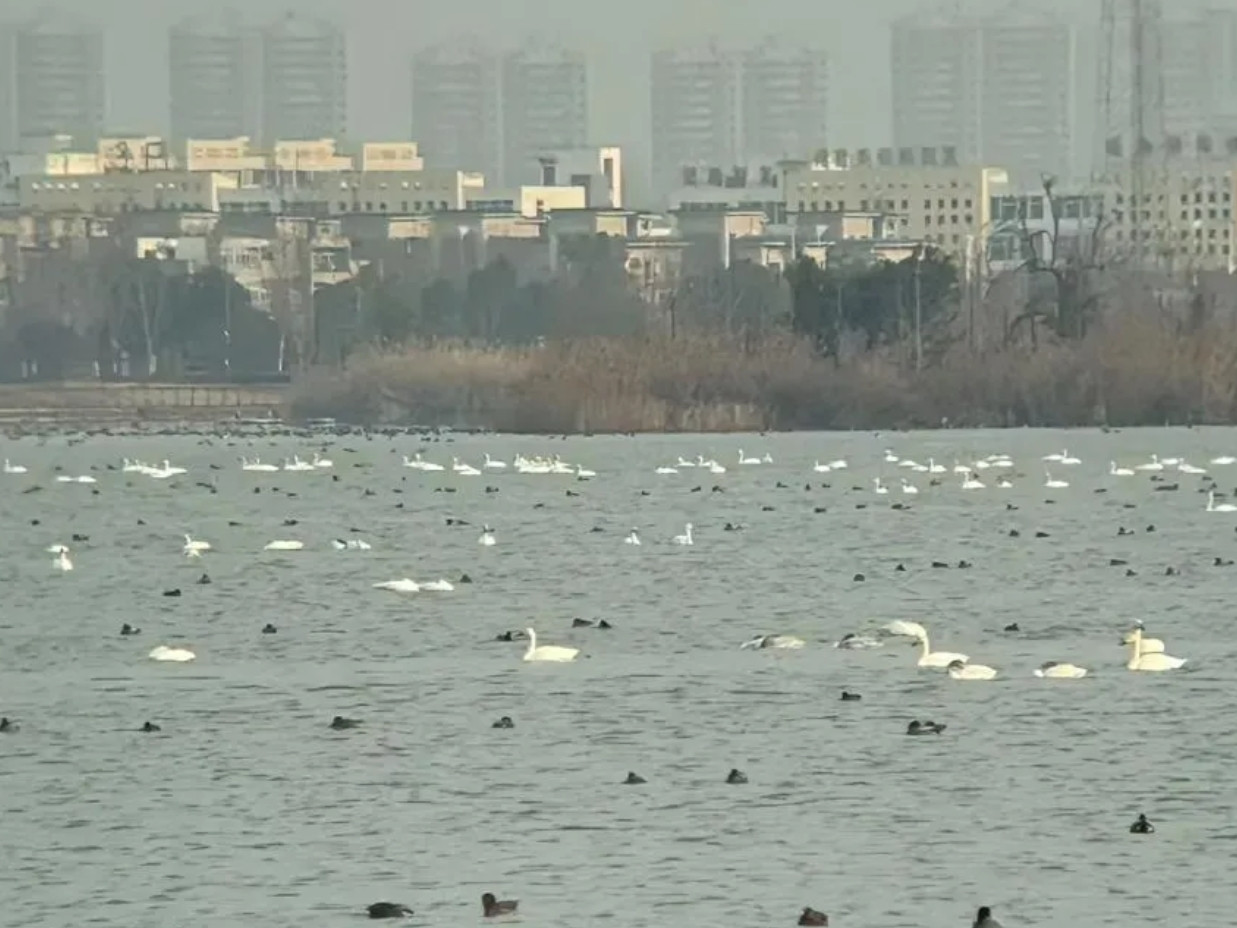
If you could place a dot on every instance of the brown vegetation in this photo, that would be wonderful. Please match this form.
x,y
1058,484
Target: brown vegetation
x,y
1136,370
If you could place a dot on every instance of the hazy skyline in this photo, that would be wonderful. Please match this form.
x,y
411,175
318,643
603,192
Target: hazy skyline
x,y
617,40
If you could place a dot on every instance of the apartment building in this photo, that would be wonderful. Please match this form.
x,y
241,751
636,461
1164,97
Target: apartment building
x,y
304,79
52,81
544,107
694,111
1198,67
212,78
783,92
455,107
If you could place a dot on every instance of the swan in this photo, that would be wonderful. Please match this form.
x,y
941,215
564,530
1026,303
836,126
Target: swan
x,y
879,488
399,586
296,464
853,642
195,548
547,652
900,628
633,538
167,470
1056,457
1153,465
176,655
57,549
491,464
84,479
438,586
821,468
1185,468
714,467
960,468
772,641
683,462
1067,458
971,482
961,670
934,468
746,460
909,488
930,658
1155,661
1003,484
351,544
61,561
583,473
257,465
284,545
1224,460
1213,506
417,464
464,470
487,539
1148,645
322,463
1051,670
1115,471
666,470
1054,484
839,464
686,537
890,457
1170,462
10,468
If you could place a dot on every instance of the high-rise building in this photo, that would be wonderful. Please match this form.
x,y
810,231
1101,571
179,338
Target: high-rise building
x,y
695,116
304,80
997,90
212,79
455,108
1198,63
544,107
52,81
784,92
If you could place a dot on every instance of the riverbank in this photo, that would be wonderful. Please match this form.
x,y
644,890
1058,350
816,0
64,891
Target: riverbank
x,y
1141,372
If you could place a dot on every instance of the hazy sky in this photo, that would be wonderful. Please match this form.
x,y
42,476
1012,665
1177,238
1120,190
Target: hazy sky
x,y
617,35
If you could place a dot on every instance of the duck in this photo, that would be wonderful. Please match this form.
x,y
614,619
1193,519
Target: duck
x,y
634,779
1052,670
548,652
8,727
811,916
1141,826
984,919
492,907
388,910
339,723
848,696
924,728
736,776
961,670
504,722
150,727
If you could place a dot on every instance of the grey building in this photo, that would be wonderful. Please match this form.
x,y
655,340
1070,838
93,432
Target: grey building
x,y
52,81
694,112
456,106
214,93
1198,59
304,79
784,91
544,108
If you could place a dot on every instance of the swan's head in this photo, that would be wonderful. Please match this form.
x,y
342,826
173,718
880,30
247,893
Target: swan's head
x,y
530,633
955,665
689,526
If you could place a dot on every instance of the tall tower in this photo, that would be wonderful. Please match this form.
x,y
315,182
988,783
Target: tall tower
x,y
211,65
1131,87
304,80
455,107
544,107
694,92
51,81
784,91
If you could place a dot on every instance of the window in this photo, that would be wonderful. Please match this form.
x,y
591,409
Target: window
x,y
343,207
382,207
403,207
1036,210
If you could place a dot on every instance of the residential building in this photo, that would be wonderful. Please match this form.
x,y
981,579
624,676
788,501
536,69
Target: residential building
x,y
529,201
212,79
52,81
544,107
1198,67
455,107
694,111
998,89
113,192
598,170
784,94
716,189
945,204
304,79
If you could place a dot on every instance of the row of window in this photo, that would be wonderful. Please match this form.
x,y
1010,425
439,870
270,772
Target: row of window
x,y
1145,215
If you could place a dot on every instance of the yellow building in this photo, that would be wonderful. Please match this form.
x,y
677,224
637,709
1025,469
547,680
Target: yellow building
x,y
947,205
316,155
391,156
222,155
527,201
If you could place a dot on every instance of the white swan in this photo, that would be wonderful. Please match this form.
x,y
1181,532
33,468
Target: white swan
x,y
890,457
900,628
547,652
84,479
399,586
934,468
583,473
61,560
1115,471
1055,457
821,468
960,670
1185,468
686,537
930,658
1155,661
284,545
1148,645
1067,458
487,539
1051,670
665,471
1003,484
747,460
167,470
839,464
971,482
322,463
1054,484
57,549
464,470
772,641
909,488
633,538
853,642
438,586
296,464
491,464
1224,460
1213,506
879,488
351,544
13,468
1153,465
176,655
257,465
195,548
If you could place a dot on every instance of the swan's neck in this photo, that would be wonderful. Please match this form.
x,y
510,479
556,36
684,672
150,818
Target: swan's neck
x,y
532,641
926,648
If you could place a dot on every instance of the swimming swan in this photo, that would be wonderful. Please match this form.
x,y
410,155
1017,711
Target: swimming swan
x,y
930,658
772,641
399,586
1148,645
1213,506
1051,670
1156,661
61,560
487,539
900,628
284,545
961,670
547,652
13,468
853,642
633,538
686,537
176,655
195,548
